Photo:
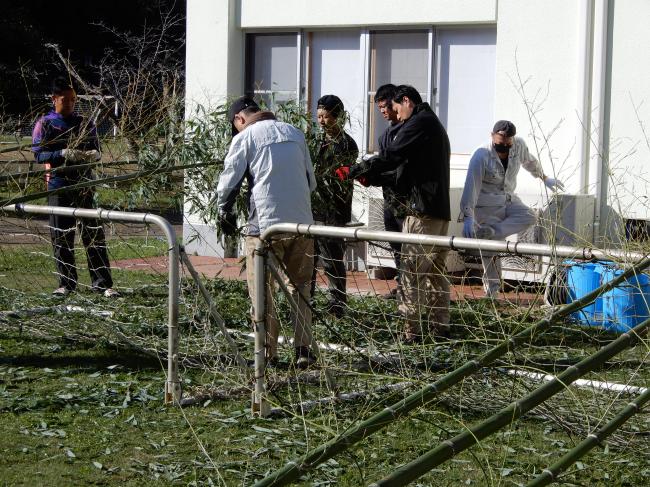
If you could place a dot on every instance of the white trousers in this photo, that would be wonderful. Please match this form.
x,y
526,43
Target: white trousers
x,y
506,220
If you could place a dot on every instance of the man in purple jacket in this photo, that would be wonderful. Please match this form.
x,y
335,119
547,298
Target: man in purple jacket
x,y
64,138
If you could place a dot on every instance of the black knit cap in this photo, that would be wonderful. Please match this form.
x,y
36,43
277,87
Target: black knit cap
x,y
332,104
507,127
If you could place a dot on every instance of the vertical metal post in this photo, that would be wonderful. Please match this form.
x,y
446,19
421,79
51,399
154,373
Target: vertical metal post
x,y
259,405
173,390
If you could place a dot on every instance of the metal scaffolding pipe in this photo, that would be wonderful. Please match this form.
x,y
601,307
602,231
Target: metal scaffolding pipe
x,y
454,243
172,386
259,403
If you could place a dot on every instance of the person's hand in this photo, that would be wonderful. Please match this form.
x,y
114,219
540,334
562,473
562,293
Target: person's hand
x,y
468,227
364,181
227,222
342,173
358,169
92,155
81,156
553,184
73,155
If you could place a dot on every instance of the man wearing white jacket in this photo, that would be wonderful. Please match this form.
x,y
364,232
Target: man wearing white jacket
x,y
489,206
274,159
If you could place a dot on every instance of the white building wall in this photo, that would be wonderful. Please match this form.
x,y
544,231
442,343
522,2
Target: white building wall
x,y
630,109
537,71
213,72
536,84
262,14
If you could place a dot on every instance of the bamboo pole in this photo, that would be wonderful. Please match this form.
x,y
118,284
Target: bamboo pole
x,y
461,442
16,148
78,167
294,469
95,182
549,474
61,169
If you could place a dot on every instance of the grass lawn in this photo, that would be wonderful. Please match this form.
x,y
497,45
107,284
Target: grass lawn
x,y
81,400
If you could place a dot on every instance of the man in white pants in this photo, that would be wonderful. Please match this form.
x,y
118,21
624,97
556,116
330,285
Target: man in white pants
x,y
489,206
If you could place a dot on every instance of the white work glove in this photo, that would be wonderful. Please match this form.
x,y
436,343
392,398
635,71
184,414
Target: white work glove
x,y
553,184
84,156
93,155
468,227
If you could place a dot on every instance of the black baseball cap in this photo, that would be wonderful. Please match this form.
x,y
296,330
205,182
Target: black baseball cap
x,y
505,127
237,106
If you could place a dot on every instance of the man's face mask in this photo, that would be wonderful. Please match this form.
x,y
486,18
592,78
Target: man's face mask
x,y
503,148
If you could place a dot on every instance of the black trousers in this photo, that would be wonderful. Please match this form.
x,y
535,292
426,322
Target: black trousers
x,y
62,233
332,253
393,223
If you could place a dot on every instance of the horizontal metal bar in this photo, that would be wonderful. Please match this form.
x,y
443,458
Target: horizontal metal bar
x,y
454,243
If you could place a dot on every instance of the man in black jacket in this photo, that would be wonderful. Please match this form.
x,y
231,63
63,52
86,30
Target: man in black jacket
x,y
420,155
394,202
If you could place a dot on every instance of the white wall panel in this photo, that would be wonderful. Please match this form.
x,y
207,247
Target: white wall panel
x,y
537,54
466,85
629,189
337,69
312,13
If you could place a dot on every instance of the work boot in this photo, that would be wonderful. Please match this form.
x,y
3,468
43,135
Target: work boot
x,y
61,291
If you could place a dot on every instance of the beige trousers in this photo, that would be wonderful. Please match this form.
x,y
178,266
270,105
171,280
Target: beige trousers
x,y
296,255
425,287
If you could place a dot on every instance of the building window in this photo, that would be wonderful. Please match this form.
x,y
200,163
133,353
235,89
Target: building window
x,y
272,67
465,85
397,58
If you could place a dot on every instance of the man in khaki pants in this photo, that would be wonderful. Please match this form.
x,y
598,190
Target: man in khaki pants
x,y
420,155
273,157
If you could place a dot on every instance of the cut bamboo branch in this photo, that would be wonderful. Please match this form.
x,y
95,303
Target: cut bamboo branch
x,y
550,474
218,319
294,469
96,182
61,170
461,442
